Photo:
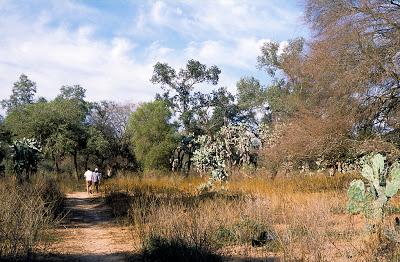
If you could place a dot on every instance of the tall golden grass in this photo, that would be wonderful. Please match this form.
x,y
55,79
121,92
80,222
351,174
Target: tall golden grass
x,y
304,216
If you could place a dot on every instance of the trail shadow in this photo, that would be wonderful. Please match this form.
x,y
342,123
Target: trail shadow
x,y
86,212
132,257
119,256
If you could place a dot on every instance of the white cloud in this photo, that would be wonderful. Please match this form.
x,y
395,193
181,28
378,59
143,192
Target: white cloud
x,y
60,43
224,19
157,12
241,53
54,57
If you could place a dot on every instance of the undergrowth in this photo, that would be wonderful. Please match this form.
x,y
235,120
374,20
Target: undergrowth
x,y
294,219
28,213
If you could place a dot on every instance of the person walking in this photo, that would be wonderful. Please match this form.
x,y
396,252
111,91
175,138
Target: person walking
x,y
96,175
88,178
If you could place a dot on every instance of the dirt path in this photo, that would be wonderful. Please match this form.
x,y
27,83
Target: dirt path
x,y
89,232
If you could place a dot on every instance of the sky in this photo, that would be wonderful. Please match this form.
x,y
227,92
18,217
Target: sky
x,y
109,47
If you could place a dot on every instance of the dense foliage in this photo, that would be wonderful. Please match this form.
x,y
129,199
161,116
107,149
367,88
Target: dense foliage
x,y
25,156
338,94
331,99
153,138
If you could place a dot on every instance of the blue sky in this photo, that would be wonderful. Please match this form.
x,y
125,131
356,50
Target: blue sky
x,y
110,46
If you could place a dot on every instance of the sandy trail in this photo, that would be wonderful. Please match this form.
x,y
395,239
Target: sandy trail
x,y
89,233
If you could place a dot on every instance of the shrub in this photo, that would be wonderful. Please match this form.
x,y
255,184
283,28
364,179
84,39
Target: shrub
x,y
158,248
27,212
119,202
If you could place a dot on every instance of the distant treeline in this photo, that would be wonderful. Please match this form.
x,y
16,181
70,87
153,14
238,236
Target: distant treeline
x,y
331,99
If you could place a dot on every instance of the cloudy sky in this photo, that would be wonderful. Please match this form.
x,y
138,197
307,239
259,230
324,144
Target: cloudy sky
x,y
110,46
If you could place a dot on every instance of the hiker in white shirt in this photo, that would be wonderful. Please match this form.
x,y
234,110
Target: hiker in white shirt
x,y
96,175
88,179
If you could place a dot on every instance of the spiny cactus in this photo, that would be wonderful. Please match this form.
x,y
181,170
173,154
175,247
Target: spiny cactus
x,y
26,154
383,183
231,146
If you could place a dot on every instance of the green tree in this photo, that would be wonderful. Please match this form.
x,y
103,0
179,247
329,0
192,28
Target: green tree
x,y
97,146
153,137
58,126
5,141
285,66
111,120
72,92
252,100
213,111
23,92
182,84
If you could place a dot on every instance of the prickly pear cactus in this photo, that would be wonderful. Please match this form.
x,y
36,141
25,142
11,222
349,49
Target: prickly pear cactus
x,y
383,183
357,196
26,154
231,146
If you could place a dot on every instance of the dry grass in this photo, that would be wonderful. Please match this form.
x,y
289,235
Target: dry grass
x,y
27,214
304,217
172,183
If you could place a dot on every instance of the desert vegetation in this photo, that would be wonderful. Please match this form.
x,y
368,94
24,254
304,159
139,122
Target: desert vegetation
x,y
304,167
28,215
255,218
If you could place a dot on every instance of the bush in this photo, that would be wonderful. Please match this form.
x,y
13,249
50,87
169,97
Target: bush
x,y
119,202
176,249
51,194
27,212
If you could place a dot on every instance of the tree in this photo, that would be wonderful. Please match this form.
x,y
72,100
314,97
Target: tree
x,y
182,84
72,92
23,92
289,84
213,110
252,99
111,120
355,46
5,141
57,125
97,146
210,112
153,137
338,97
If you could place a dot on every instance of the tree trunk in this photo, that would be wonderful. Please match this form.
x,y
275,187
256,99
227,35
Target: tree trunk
x,y
56,164
86,161
75,155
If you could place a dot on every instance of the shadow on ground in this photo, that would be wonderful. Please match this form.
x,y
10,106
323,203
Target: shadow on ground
x,y
86,212
121,256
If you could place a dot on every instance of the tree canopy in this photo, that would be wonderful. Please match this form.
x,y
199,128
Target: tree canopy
x,y
181,84
22,93
153,137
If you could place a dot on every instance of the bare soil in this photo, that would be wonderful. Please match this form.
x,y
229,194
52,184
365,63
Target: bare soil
x,y
90,233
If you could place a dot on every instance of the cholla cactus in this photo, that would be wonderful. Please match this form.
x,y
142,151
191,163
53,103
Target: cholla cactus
x,y
384,182
25,157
